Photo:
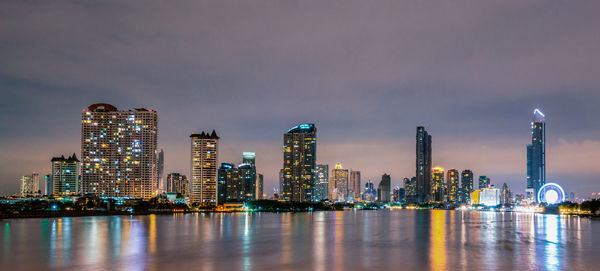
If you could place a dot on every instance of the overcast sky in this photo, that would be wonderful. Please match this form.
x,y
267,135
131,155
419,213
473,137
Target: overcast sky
x,y
365,72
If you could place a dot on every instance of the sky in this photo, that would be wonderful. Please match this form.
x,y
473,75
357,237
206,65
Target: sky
x,y
365,72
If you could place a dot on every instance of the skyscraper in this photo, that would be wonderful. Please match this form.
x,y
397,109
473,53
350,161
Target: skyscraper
x,y
49,185
203,181
236,183
259,186
410,186
536,155
338,186
354,186
484,182
177,183
423,163
65,175
321,182
30,185
452,185
466,186
438,187
299,157
384,189
160,168
370,194
118,151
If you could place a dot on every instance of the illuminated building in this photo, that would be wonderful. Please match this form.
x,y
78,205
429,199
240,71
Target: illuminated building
x,y
484,182
49,186
249,158
384,188
489,196
466,182
259,187
370,194
203,181
65,175
118,152
299,161
536,155
30,185
178,183
160,168
236,183
338,186
475,197
354,187
321,182
410,186
452,185
423,165
505,195
398,194
438,191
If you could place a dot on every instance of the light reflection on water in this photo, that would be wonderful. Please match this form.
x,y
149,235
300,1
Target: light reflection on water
x,y
351,240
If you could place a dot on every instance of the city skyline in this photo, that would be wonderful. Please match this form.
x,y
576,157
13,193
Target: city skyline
x,y
366,94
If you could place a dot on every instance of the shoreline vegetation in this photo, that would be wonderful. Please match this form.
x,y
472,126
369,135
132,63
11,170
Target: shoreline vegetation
x,y
93,206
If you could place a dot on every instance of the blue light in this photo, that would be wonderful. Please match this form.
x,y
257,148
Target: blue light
x,y
551,193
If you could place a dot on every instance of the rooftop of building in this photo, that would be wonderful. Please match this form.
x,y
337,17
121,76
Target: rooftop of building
x,y
72,158
303,128
206,135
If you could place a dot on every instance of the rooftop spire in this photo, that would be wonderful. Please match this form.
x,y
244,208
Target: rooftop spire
x,y
538,116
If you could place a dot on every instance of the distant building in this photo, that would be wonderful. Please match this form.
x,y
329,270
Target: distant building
x,y
438,191
505,195
49,186
466,186
489,196
370,194
338,186
249,158
453,185
299,161
178,183
236,183
384,189
203,177
118,152
354,186
423,165
160,168
321,182
484,182
410,186
259,187
65,175
30,185
536,155
398,194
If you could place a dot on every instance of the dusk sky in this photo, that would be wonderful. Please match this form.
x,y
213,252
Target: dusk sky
x,y
365,72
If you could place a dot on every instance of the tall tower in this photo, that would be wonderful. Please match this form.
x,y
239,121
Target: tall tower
x,y
354,187
203,180
299,161
452,185
536,155
438,187
321,182
338,187
118,152
466,180
384,188
65,175
423,163
160,168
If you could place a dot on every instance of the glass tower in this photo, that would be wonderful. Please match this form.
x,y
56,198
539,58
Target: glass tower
x,y
423,164
536,155
299,161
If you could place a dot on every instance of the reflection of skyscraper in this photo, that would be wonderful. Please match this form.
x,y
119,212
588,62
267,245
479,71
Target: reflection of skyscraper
x,y
423,163
384,188
536,155
354,189
484,182
203,181
438,190
118,151
338,186
466,186
452,185
299,157
322,182
65,175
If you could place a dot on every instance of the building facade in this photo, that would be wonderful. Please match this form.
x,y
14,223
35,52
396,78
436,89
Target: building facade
x,y
438,186
466,182
423,165
299,161
453,184
236,184
536,155
118,152
321,182
384,189
338,186
410,186
178,183
354,186
65,175
160,168
30,185
203,177
484,181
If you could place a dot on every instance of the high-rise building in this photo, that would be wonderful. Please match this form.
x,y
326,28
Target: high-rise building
x,y
536,155
398,194
438,187
484,182
505,195
118,152
321,182
384,189
160,168
30,185
178,183
410,186
453,185
354,186
466,186
370,194
236,183
259,186
338,186
49,186
423,163
65,175
203,181
299,161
